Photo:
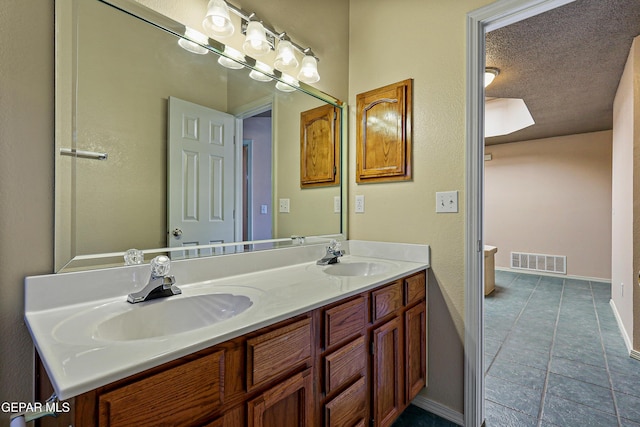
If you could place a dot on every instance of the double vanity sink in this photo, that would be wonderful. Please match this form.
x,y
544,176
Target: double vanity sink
x,y
88,335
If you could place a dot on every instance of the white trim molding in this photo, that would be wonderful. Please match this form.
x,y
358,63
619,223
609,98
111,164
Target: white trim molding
x,y
623,331
560,276
491,17
438,409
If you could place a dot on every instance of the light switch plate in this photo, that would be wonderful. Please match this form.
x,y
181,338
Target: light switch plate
x,y
447,201
263,209
360,204
284,205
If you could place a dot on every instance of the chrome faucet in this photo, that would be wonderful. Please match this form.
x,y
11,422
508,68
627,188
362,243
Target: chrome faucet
x,y
332,255
160,283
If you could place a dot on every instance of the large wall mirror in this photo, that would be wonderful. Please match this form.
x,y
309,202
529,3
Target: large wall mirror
x,y
130,103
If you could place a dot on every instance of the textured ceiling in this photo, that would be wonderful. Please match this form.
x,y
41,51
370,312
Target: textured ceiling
x,y
565,64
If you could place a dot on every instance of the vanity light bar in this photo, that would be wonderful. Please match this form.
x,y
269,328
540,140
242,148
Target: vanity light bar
x,y
72,152
272,34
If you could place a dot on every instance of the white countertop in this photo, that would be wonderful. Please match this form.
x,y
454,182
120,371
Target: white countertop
x,y
62,310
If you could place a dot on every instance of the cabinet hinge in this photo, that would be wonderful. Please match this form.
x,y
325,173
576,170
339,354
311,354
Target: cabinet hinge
x,y
372,348
335,171
372,423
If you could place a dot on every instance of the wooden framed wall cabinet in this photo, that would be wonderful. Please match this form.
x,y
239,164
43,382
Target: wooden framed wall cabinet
x,y
383,133
320,147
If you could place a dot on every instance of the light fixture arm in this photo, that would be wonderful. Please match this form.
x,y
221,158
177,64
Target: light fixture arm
x,y
269,30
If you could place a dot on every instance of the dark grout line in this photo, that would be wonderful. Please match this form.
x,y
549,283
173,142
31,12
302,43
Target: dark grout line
x,y
553,342
515,322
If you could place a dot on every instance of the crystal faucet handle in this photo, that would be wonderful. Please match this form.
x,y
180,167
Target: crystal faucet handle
x,y
133,257
160,266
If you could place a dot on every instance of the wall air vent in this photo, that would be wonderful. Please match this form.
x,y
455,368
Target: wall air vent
x,y
539,262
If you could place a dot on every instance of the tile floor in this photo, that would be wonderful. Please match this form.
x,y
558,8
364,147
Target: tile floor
x,y
554,356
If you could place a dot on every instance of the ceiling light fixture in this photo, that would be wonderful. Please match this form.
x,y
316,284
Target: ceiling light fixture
x,y
285,57
490,73
232,60
217,21
194,46
259,39
255,42
259,73
309,69
288,83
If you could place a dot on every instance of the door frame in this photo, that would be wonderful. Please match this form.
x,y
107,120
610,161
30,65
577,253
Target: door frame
x,y
247,198
480,21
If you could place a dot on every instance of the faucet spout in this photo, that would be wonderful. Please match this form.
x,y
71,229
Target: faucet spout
x,y
333,254
160,284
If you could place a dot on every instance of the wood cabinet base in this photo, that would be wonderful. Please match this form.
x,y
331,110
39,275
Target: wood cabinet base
x,y
355,362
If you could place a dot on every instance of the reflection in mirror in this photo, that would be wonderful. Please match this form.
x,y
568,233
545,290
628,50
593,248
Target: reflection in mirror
x,y
196,153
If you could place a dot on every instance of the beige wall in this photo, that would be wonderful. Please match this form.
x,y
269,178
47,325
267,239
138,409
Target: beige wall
x,y
26,179
423,40
626,193
552,196
26,151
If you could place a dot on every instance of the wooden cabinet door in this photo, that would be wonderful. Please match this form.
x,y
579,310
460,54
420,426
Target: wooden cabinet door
x,y
383,133
288,404
415,325
388,374
320,147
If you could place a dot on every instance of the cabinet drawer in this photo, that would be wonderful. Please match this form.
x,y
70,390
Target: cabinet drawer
x,y
344,321
179,396
386,300
414,288
277,352
344,364
348,408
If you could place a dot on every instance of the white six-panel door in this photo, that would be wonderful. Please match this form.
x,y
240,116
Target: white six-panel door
x,y
201,175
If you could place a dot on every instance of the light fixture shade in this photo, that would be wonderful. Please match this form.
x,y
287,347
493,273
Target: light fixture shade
x,y
289,84
259,73
233,60
192,46
286,58
503,116
217,21
490,73
255,42
309,70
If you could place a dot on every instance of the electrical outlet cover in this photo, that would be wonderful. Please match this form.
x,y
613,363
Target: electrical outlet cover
x,y
284,205
360,204
336,204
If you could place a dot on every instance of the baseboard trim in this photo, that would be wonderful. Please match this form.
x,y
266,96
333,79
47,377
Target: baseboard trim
x,y
623,331
545,273
439,409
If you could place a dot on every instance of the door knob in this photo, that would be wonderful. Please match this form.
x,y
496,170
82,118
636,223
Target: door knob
x,y
177,232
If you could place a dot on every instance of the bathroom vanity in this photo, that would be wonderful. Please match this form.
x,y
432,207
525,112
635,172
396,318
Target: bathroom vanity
x,y
337,345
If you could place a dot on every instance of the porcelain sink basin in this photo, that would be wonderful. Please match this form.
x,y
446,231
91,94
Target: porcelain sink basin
x,y
121,321
357,269
171,316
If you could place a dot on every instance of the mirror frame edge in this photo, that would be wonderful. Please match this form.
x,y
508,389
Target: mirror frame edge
x,y
64,126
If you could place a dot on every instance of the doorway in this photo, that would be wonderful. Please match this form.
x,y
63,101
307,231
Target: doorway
x,y
257,171
491,17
